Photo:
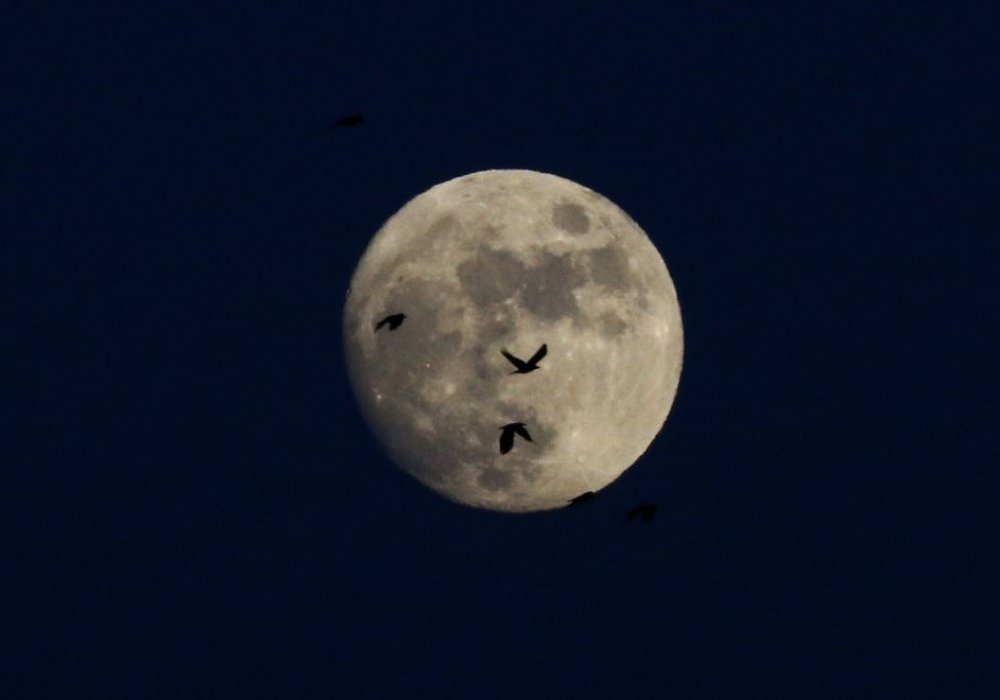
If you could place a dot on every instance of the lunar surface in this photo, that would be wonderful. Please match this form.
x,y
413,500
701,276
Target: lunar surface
x,y
513,259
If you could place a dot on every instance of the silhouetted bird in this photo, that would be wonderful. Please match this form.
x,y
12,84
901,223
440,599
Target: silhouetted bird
x,y
522,366
507,436
394,321
646,512
350,120
582,498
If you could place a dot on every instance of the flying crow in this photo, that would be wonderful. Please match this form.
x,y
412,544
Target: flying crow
x,y
646,512
522,366
394,321
507,436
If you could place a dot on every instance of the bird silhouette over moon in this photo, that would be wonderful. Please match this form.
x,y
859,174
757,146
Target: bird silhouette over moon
x,y
507,436
525,367
394,321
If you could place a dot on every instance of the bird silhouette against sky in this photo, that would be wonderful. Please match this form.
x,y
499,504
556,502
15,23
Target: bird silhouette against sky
x,y
350,120
394,321
582,498
507,436
646,512
524,367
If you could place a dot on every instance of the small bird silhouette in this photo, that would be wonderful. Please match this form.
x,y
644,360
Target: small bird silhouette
x,y
646,512
507,436
350,120
522,366
582,498
394,321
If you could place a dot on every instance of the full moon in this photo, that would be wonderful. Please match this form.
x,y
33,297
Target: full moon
x,y
513,260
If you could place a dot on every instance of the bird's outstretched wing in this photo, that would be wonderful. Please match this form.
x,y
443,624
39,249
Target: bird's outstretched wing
x,y
516,361
582,498
539,354
506,440
523,432
381,323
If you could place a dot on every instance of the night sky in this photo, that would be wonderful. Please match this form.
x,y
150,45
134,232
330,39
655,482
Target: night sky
x,y
192,505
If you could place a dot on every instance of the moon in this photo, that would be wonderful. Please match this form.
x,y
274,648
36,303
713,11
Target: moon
x,y
513,259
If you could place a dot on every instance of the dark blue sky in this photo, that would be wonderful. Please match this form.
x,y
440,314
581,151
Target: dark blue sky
x,y
193,507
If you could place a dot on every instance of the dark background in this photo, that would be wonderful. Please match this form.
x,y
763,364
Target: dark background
x,y
191,505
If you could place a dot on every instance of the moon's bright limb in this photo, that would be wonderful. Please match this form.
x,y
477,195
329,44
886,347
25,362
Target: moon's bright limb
x,y
513,259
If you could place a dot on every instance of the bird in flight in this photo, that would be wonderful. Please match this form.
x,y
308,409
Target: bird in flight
x,y
507,436
646,512
524,367
394,321
350,120
582,498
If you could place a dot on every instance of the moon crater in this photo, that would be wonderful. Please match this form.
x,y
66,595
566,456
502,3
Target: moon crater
x,y
571,217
